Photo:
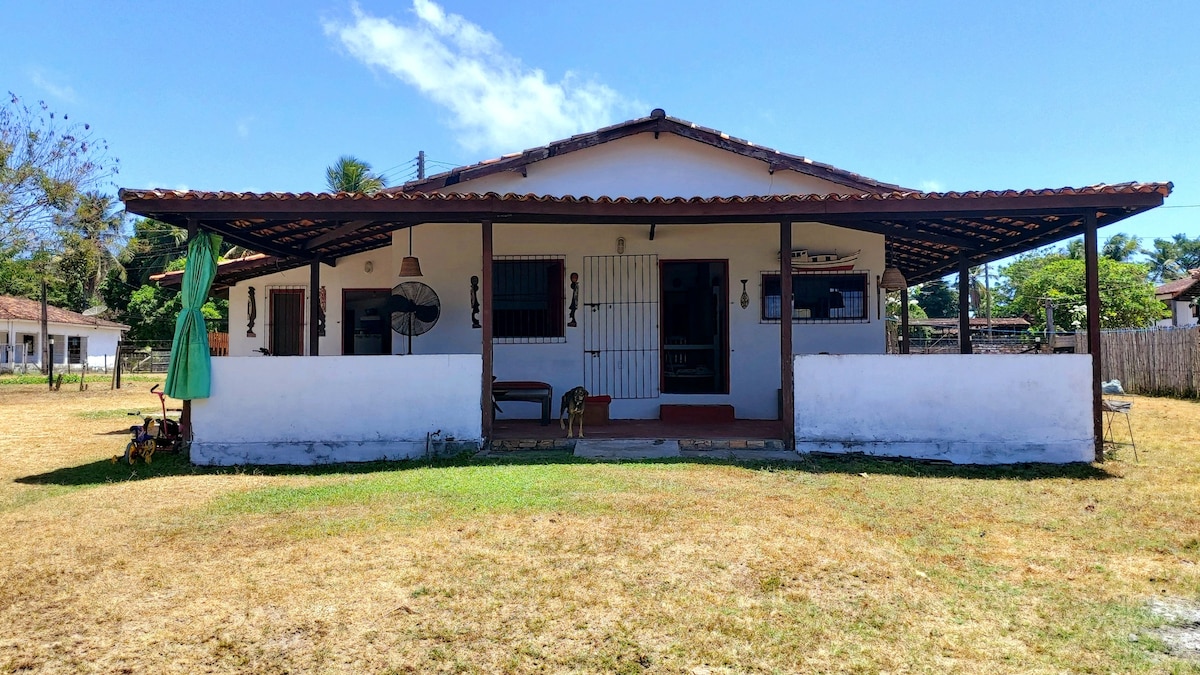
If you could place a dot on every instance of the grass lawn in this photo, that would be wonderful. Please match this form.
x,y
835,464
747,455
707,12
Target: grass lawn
x,y
542,563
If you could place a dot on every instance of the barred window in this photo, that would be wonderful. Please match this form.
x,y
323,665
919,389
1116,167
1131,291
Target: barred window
x,y
527,299
818,297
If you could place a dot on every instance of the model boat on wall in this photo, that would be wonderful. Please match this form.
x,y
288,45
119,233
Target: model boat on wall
x,y
802,261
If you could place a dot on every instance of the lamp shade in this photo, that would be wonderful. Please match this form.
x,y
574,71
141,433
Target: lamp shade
x,y
893,280
410,267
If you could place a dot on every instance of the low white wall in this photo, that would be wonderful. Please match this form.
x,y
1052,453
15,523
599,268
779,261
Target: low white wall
x,y
965,408
305,410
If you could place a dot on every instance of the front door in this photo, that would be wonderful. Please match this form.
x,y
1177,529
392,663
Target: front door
x,y
287,321
695,327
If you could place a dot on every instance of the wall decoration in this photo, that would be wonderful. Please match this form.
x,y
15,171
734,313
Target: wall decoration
x,y
827,262
321,316
745,301
251,313
574,299
475,302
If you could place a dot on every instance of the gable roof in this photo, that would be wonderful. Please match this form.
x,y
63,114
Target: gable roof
x,y
1181,289
658,122
24,309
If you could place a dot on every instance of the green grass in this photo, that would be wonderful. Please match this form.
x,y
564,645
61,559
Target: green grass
x,y
73,378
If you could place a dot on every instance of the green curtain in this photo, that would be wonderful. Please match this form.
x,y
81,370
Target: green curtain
x,y
189,375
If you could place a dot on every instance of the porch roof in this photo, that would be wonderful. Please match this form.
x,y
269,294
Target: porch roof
x,y
925,232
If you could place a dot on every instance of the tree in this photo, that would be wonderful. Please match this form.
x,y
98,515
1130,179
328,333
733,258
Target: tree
x,y
351,174
1172,258
937,299
46,161
1121,247
1126,296
92,236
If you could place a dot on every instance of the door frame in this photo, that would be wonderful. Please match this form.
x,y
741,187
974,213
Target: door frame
x,y
662,333
303,293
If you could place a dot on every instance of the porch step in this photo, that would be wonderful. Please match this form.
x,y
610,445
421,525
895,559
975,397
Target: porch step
x,y
675,413
627,448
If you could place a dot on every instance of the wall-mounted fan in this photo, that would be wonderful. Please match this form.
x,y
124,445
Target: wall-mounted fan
x,y
415,309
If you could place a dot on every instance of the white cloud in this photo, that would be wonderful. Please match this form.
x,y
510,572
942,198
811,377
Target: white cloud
x,y
243,127
60,91
931,186
497,102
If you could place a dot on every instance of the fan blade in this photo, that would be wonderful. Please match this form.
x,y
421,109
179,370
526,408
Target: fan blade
x,y
427,313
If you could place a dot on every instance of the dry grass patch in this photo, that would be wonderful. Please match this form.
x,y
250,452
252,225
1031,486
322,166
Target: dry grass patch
x,y
551,565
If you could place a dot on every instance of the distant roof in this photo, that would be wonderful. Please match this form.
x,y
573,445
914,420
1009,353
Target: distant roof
x,y
658,122
1181,289
246,267
23,309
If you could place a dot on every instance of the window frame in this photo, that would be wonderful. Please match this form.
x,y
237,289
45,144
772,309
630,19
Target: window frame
x,y
800,278
505,330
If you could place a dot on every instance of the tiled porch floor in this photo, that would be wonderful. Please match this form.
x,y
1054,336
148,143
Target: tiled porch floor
x,y
739,429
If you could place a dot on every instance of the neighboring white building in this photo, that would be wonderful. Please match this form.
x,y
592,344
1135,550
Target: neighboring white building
x,y
1182,298
77,339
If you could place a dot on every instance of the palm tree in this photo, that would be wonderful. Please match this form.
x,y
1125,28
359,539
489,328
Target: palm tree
x,y
97,229
351,174
1121,247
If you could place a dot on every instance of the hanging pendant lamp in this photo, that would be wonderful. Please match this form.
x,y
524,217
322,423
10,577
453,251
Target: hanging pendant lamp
x,y
410,266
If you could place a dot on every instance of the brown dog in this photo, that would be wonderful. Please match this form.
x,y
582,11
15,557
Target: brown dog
x,y
572,406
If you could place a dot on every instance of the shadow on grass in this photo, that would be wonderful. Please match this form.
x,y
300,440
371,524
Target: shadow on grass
x,y
173,465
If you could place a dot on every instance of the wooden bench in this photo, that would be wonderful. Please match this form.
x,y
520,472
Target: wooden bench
x,y
534,392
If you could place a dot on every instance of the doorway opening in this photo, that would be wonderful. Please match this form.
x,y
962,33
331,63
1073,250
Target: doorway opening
x,y
695,327
366,326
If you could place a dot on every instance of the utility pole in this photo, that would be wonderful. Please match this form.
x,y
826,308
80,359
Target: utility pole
x,y
45,328
421,165
1049,325
987,297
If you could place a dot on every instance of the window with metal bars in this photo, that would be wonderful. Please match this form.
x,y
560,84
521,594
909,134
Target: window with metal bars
x,y
75,348
824,297
527,299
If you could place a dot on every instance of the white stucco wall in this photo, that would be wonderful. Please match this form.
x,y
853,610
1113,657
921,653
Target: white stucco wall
x,y
451,253
637,166
642,166
301,410
970,409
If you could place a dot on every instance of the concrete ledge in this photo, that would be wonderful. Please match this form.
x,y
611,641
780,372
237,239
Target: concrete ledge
x,y
310,454
960,452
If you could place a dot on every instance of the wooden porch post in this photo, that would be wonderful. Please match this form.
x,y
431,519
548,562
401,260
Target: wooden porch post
x,y
964,305
485,285
1092,280
314,307
185,415
787,372
904,346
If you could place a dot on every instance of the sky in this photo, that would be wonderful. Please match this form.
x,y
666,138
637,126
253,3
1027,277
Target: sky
x,y
263,96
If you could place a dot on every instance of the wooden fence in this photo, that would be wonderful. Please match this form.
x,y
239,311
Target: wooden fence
x,y
218,344
1159,361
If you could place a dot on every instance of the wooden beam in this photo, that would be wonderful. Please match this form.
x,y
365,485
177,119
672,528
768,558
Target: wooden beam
x,y
787,368
1091,248
895,230
336,233
905,347
964,305
485,286
314,307
260,245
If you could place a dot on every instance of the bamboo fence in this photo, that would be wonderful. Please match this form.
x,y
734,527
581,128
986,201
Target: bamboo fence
x,y
1156,361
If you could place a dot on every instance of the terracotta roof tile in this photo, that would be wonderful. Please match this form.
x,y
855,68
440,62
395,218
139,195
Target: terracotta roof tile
x,y
24,309
1163,188
1189,286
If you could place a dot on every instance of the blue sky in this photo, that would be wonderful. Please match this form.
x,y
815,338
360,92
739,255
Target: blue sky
x,y
934,95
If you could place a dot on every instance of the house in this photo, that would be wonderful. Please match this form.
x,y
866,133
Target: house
x,y
642,261
77,338
1182,298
